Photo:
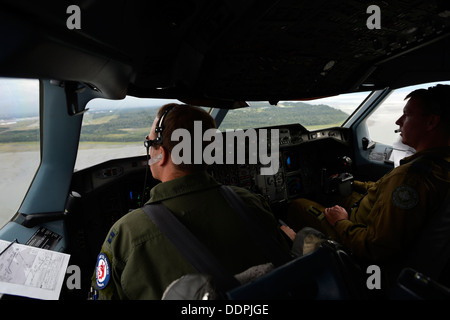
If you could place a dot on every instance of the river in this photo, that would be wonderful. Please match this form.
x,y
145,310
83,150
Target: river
x,y
17,170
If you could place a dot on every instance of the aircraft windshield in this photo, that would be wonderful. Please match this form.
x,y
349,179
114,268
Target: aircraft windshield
x,y
313,114
19,142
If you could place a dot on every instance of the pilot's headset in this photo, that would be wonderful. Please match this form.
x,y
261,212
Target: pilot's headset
x,y
158,129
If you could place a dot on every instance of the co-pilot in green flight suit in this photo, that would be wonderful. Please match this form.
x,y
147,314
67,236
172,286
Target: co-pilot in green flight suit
x,y
393,210
138,262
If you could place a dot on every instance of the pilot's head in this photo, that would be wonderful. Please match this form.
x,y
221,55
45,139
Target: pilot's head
x,y
425,121
169,118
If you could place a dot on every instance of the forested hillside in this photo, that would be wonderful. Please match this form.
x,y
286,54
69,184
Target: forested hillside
x,y
262,114
133,124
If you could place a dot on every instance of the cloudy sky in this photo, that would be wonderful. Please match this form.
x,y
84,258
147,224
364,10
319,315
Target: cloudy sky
x,y
21,96
18,96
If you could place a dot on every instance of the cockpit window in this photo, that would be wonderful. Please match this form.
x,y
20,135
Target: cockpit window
x,y
19,142
114,129
381,123
313,114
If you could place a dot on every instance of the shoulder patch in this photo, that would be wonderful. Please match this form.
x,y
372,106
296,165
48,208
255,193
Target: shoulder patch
x,y
405,197
102,271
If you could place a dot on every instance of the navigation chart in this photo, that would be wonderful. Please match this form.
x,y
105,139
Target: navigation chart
x,y
31,272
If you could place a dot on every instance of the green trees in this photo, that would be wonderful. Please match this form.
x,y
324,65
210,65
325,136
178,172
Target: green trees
x,y
133,124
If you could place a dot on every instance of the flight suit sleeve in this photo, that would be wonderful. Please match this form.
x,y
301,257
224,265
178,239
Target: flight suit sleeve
x,y
395,214
108,270
362,187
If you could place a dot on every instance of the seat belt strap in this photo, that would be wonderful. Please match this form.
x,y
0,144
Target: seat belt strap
x,y
259,233
189,246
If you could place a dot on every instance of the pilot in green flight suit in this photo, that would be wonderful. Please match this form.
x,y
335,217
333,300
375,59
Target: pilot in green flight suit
x,y
138,262
395,208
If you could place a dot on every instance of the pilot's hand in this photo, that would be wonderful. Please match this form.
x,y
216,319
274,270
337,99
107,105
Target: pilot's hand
x,y
288,231
335,214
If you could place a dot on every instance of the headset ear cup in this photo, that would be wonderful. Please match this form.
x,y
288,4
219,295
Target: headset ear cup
x,y
160,127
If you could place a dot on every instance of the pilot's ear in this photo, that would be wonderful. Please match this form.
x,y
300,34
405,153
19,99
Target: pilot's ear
x,y
165,154
433,121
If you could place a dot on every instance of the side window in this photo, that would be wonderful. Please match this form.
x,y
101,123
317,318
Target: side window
x,y
381,123
19,142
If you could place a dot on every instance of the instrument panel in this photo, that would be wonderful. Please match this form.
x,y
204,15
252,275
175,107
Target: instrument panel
x,y
305,158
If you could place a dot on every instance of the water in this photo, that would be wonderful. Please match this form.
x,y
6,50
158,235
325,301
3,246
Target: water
x,y
17,170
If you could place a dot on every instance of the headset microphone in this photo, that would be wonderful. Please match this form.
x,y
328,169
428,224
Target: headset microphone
x,y
155,159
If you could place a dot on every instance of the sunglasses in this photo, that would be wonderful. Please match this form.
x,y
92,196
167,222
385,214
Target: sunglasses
x,y
150,142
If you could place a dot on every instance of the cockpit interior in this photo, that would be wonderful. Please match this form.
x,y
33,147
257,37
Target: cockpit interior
x,y
220,55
